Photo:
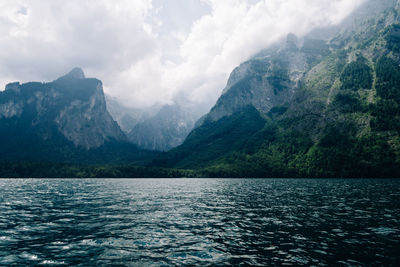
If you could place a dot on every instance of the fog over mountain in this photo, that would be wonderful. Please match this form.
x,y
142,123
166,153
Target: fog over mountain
x,y
322,105
151,52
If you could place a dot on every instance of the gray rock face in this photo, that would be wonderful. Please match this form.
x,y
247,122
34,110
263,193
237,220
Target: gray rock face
x,y
272,77
10,109
13,86
157,127
126,117
76,73
265,81
72,104
165,130
87,123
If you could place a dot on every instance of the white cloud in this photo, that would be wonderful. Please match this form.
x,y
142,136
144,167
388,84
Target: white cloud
x,y
150,51
103,37
236,30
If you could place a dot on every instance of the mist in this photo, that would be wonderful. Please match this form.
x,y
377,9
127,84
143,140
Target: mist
x,y
151,52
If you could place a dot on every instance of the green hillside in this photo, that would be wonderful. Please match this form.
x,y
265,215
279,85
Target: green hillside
x,y
343,119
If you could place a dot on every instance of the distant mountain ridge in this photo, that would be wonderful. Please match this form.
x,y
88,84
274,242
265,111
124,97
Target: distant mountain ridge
x,y
126,117
167,129
156,128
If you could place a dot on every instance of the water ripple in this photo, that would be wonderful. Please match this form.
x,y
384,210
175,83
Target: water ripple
x,y
168,222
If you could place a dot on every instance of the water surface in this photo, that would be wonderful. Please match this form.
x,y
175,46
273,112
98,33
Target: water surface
x,y
168,222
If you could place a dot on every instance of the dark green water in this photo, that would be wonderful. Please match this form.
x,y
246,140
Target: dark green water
x,y
168,222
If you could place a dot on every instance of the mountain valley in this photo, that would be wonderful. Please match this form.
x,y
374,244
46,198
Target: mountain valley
x,y
326,104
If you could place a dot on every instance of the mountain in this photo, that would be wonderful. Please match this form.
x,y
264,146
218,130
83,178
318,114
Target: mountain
x,y
126,117
167,129
211,141
324,105
159,127
64,120
267,80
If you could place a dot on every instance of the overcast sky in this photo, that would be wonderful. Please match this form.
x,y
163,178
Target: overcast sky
x,y
150,51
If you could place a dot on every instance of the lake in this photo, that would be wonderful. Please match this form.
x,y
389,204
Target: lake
x,y
169,222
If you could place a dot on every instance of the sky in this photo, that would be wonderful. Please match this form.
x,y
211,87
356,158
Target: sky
x,y
149,52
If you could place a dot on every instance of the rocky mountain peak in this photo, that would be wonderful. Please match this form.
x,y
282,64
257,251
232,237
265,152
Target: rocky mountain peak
x,y
72,107
165,130
13,86
76,73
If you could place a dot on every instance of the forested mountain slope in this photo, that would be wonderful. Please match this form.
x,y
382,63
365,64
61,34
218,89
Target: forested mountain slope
x,y
309,107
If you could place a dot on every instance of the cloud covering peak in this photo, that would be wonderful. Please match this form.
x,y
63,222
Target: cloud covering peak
x,y
149,52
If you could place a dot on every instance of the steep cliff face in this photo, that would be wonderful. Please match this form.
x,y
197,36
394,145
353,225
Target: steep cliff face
x,y
159,127
269,79
73,106
63,121
272,77
165,130
127,117
85,120
324,107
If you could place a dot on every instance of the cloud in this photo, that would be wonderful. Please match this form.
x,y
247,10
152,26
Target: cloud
x,y
235,30
150,51
43,39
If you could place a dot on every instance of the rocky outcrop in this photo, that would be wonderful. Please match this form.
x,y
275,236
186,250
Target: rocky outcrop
x,y
126,117
165,130
73,106
87,123
159,127
10,109
267,80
